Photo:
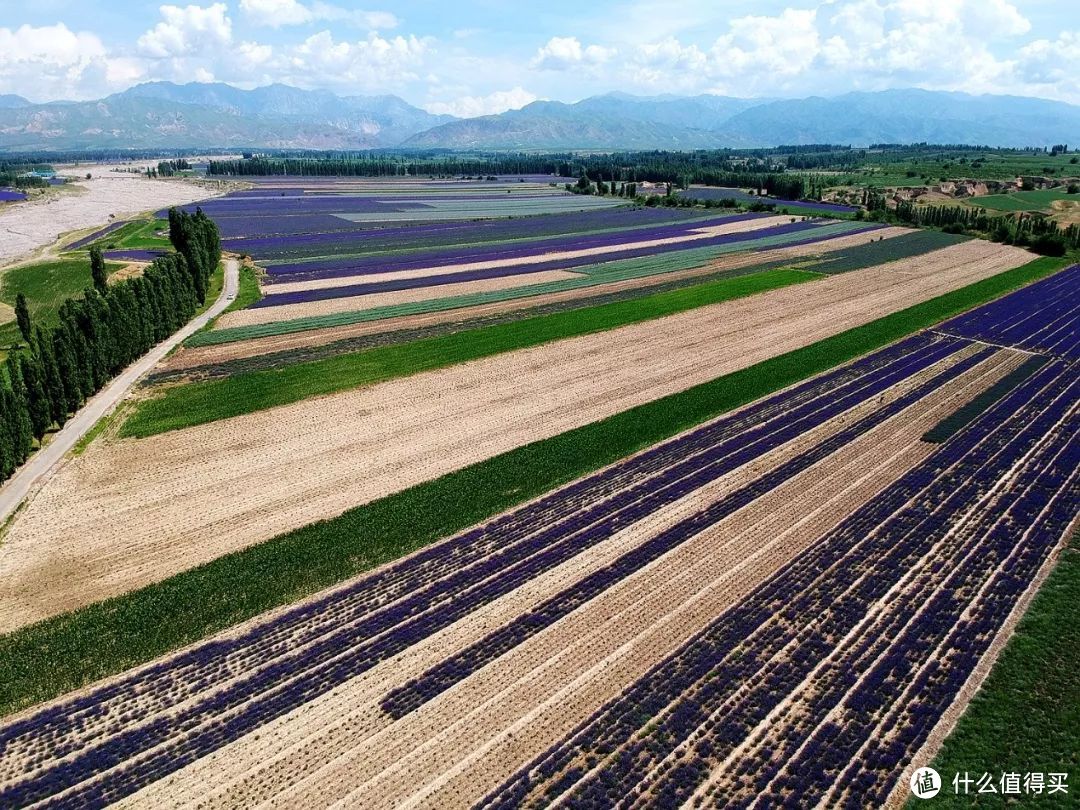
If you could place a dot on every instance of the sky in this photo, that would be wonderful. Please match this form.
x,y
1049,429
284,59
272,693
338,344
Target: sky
x,y
476,57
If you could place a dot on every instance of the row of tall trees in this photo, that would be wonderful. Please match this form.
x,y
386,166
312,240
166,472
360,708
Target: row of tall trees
x,y
99,334
1037,231
717,167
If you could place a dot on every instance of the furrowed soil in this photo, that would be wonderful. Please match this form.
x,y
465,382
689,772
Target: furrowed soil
x,y
130,512
451,751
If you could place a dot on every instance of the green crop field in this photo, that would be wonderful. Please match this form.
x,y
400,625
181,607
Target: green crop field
x,y
137,235
918,167
46,286
1023,200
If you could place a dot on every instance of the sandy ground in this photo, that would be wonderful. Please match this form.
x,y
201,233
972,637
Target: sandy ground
x,y
28,226
204,355
742,226
121,515
286,312
451,751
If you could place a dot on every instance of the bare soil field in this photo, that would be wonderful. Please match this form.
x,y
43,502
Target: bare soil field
x,y
205,355
28,226
120,515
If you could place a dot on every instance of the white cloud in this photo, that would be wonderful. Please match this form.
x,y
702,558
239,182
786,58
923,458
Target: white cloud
x,y
52,61
187,30
472,106
373,64
277,13
1053,66
563,53
837,46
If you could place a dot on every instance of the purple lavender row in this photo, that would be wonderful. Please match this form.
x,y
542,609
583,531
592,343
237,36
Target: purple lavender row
x,y
134,255
86,240
1052,305
799,591
350,290
380,236
449,672
323,666
903,636
332,645
440,257
945,619
216,659
285,206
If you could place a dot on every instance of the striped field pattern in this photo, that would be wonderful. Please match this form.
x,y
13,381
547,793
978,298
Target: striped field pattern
x,y
779,603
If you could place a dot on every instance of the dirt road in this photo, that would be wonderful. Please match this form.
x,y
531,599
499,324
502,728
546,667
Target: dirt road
x,y
19,485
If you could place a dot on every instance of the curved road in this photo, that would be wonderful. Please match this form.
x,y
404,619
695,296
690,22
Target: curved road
x,y
19,485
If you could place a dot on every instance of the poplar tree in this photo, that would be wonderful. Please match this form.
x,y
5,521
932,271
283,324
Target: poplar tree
x,y
97,269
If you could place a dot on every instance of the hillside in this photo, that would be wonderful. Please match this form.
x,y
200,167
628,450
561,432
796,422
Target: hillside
x,y
193,115
162,114
859,119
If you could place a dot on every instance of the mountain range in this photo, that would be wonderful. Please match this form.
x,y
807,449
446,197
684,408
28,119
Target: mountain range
x,y
162,114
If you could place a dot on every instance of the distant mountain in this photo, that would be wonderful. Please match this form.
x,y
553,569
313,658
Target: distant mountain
x,y
193,115
11,101
162,114
666,122
615,120
908,116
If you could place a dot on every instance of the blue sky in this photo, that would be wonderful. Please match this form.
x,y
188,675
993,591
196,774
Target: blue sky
x,y
470,58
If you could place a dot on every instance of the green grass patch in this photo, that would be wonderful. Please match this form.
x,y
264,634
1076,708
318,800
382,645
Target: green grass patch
x,y
248,292
213,289
46,286
1023,200
970,411
201,402
60,654
140,234
1026,716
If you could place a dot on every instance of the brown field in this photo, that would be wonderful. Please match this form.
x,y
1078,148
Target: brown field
x,y
454,749
205,355
120,515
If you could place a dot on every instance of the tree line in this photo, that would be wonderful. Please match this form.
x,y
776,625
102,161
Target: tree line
x,y
1037,231
100,334
718,167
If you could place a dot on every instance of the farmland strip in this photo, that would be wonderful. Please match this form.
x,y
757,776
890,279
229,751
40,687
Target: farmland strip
x,y
96,641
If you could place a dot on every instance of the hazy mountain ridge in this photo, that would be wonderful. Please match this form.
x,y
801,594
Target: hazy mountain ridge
x,y
10,101
859,119
278,116
194,115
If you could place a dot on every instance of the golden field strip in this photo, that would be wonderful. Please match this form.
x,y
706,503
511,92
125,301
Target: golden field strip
x,y
120,515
